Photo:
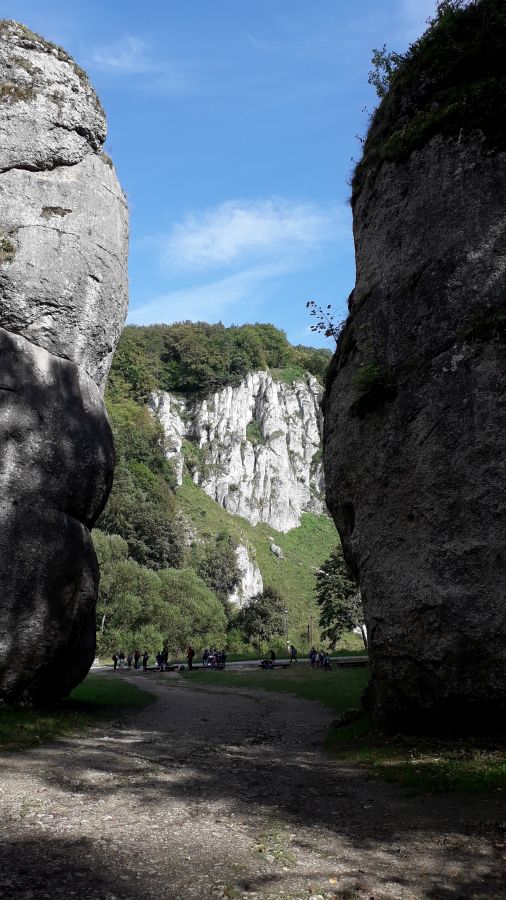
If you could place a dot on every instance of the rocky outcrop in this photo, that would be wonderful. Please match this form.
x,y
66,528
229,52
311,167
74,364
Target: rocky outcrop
x,y
63,217
415,428
251,582
256,446
63,298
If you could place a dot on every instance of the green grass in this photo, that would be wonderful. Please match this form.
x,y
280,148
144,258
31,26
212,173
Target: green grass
x,y
289,374
305,549
423,764
341,689
94,700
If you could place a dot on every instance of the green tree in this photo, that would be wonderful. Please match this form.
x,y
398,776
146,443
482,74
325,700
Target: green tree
x,y
216,563
198,615
263,618
338,597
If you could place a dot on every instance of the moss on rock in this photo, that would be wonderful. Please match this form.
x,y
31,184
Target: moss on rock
x,y
451,82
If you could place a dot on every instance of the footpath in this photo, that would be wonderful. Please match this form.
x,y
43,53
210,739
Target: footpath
x,y
226,793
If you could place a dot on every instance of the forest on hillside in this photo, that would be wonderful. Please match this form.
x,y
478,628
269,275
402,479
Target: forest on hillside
x,y
197,357
167,555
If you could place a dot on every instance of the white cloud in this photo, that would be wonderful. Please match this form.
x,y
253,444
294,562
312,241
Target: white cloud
x,y
238,232
212,301
127,55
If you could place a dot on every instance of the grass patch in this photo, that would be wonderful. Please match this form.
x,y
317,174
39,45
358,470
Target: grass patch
x,y
304,548
424,764
289,374
254,433
341,689
94,700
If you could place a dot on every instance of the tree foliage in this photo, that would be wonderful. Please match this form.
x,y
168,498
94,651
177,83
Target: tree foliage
x,y
216,563
451,82
339,599
140,608
197,357
263,618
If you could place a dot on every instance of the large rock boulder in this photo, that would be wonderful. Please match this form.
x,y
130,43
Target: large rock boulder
x,y
63,299
415,420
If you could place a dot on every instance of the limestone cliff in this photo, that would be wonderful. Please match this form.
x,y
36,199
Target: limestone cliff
x,y
415,420
256,447
63,299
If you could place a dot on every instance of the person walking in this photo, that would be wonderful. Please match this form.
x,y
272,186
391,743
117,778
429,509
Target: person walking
x,y
312,657
115,660
137,657
190,653
145,657
293,654
129,659
121,658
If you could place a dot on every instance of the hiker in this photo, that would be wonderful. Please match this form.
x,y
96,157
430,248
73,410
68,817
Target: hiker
x,y
190,653
129,659
137,657
145,657
115,660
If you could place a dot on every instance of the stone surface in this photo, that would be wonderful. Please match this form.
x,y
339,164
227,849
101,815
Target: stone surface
x,y
251,582
63,215
63,246
259,446
415,432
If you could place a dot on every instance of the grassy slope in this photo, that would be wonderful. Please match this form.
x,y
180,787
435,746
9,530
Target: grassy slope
x,y
305,548
95,699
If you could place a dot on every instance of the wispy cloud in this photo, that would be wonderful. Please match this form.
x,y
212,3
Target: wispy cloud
x,y
131,55
234,257
212,301
127,55
239,231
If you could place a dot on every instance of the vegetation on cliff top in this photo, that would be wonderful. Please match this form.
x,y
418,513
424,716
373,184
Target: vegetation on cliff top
x,y
451,82
195,356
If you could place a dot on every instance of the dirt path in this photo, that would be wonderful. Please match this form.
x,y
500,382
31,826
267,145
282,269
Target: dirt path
x,y
229,794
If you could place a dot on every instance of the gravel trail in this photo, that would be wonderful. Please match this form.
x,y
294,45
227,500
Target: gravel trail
x,y
226,793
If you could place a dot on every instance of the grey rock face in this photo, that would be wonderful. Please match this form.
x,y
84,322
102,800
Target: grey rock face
x,y
63,246
63,215
415,432
259,443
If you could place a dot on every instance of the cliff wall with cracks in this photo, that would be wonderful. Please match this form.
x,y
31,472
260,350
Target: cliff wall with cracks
x,y
63,300
254,448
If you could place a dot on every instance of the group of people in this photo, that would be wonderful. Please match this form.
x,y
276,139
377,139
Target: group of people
x,y
135,657
319,659
214,659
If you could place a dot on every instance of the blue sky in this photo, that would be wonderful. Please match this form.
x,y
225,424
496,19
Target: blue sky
x,y
233,126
